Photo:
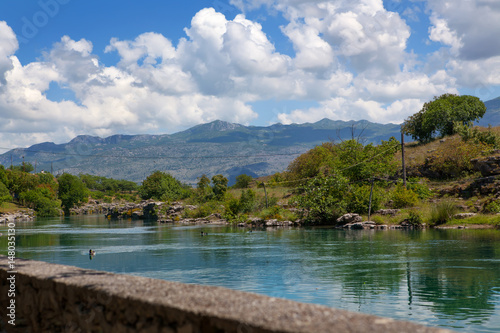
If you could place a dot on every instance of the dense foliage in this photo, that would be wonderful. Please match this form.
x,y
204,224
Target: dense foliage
x,y
162,186
104,184
323,198
243,181
219,186
350,159
72,191
438,117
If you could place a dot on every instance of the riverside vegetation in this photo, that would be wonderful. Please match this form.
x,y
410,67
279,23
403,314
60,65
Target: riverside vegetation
x,y
453,173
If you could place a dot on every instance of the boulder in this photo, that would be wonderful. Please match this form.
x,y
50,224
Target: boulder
x,y
489,166
463,215
391,212
349,218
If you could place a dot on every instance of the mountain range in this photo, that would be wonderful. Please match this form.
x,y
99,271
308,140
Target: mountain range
x,y
214,148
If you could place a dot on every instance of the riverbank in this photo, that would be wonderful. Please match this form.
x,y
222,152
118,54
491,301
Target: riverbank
x,y
178,212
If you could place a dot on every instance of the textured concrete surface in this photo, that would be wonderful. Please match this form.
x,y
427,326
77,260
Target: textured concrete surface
x,y
57,298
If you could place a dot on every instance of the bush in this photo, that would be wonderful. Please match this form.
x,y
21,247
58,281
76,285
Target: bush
x,y
324,199
72,191
421,189
242,181
358,199
443,212
274,212
377,219
4,193
491,206
42,201
403,197
162,186
204,210
232,208
474,134
247,201
271,201
453,163
219,186
414,219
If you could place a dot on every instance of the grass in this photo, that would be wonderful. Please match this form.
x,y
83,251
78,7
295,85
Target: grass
x,y
9,207
483,219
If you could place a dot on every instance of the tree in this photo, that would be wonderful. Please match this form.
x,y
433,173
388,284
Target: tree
x,y
242,181
162,186
72,191
219,186
42,200
4,193
18,182
440,115
3,175
351,158
25,167
324,199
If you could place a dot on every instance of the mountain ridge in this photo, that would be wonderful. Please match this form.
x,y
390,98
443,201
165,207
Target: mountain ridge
x,y
212,148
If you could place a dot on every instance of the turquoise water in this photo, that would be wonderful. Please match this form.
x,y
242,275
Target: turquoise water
x,y
447,278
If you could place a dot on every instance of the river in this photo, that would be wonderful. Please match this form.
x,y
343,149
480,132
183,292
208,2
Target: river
x,y
445,278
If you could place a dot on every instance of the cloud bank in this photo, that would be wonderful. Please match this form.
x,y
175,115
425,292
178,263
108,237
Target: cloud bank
x,y
352,57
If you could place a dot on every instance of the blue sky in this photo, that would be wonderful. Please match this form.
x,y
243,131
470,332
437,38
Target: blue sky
x,y
71,67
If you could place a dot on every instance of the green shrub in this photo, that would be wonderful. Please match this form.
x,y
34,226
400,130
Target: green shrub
x,y
98,195
491,206
474,134
414,219
261,203
42,201
243,181
377,219
324,199
247,201
442,212
274,212
4,193
419,187
403,197
358,199
232,208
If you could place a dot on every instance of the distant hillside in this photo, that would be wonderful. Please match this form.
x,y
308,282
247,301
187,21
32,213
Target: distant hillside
x,y
216,147
213,148
492,115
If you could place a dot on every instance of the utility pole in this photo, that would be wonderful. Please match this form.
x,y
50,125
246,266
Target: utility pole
x,y
370,203
265,193
403,157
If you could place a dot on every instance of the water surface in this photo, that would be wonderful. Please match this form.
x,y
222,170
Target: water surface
x,y
446,278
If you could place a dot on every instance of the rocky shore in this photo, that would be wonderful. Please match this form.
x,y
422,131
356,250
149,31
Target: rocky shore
x,y
26,215
175,212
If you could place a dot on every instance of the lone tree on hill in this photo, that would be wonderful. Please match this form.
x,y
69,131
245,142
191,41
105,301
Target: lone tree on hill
x,y
440,115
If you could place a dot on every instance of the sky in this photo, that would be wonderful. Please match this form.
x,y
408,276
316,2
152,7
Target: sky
x,y
105,67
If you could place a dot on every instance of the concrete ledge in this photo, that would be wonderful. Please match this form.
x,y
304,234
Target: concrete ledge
x,y
57,298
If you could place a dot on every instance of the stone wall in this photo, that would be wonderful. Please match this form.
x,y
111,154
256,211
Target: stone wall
x,y
57,298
